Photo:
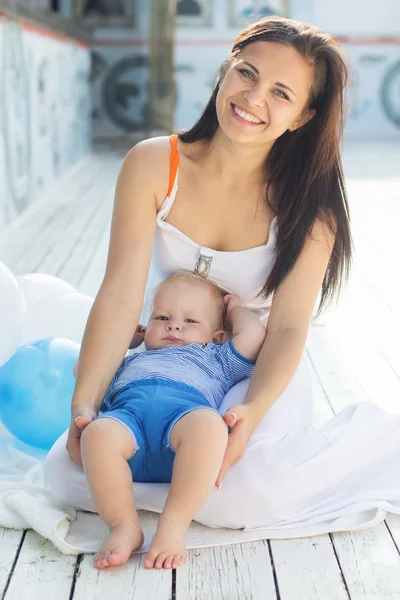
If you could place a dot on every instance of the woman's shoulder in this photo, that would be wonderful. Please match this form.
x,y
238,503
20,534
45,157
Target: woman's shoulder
x,y
152,157
154,154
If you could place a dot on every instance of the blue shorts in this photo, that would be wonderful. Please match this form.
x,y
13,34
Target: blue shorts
x,y
149,408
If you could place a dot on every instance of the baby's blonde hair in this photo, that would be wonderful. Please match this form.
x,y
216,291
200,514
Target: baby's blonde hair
x,y
215,291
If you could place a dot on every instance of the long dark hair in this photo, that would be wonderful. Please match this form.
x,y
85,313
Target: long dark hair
x,y
304,166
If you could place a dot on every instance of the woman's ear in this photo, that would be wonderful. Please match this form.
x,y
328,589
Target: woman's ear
x,y
306,116
219,337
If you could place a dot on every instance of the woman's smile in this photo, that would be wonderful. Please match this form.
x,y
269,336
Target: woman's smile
x,y
245,117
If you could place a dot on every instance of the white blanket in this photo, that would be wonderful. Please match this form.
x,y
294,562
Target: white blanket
x,y
26,504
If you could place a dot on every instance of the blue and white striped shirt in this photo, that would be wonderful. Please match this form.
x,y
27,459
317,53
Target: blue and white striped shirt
x,y
210,368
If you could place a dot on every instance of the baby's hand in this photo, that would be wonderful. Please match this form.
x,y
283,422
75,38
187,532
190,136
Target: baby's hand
x,y
231,300
138,338
81,418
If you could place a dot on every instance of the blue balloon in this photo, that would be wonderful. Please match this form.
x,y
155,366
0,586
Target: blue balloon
x,y
36,387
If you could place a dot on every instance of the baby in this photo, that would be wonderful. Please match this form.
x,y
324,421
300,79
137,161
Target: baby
x,y
159,420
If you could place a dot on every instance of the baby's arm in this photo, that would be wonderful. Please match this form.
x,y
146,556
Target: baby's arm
x,y
248,333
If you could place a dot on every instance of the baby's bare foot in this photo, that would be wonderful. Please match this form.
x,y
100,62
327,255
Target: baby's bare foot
x,y
121,542
167,549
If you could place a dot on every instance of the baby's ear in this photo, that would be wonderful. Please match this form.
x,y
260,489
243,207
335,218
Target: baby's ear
x,y
219,337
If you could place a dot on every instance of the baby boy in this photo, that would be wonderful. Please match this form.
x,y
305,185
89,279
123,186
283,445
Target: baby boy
x,y
159,420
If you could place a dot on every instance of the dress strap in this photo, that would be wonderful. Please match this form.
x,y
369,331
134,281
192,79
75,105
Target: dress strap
x,y
174,162
173,179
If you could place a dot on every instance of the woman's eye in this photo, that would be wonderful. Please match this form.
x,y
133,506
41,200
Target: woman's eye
x,y
249,75
243,71
282,94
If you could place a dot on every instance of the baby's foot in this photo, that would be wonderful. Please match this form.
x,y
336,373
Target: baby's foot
x,y
167,549
121,542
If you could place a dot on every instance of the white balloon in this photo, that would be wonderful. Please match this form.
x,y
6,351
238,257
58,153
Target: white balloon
x,y
61,316
12,307
39,285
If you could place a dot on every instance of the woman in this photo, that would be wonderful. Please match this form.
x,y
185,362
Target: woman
x,y
261,210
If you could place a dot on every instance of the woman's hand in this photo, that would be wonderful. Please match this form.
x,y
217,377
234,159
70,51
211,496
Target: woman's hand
x,y
82,416
138,338
238,419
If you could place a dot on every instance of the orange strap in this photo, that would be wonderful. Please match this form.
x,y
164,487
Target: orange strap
x,y
173,161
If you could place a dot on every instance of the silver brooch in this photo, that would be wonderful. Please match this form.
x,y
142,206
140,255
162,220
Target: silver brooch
x,y
203,265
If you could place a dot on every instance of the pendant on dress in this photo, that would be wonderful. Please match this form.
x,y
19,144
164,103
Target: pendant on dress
x,y
203,265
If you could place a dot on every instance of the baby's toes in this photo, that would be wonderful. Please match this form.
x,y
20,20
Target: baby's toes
x,y
100,560
96,560
178,561
168,561
149,560
160,560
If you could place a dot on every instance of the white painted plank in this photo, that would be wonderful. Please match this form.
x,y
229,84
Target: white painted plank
x,y
78,261
49,253
381,322
334,372
10,540
393,524
236,572
18,236
127,582
41,571
94,246
370,564
44,235
365,557
307,569
356,350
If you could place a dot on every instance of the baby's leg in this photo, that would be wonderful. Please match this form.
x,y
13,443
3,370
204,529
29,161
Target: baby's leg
x,y
106,445
199,439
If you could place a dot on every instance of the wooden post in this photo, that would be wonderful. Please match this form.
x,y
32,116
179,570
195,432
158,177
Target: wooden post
x,y
162,93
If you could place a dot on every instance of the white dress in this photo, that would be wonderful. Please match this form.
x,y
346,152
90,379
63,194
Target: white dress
x,y
293,479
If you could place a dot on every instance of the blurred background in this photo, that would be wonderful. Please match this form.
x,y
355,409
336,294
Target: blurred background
x,y
78,71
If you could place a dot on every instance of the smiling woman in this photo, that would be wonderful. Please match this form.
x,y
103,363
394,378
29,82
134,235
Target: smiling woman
x,y
251,198
281,91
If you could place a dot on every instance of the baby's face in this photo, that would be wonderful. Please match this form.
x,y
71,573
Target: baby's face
x,y
183,313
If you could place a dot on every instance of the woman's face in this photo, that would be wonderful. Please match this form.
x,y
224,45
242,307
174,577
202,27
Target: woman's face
x,y
268,84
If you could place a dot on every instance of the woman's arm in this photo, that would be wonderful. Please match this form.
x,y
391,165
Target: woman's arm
x,y
292,307
291,311
116,309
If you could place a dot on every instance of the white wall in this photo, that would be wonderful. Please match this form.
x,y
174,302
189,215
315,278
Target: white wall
x,y
119,73
358,17
376,88
45,124
375,62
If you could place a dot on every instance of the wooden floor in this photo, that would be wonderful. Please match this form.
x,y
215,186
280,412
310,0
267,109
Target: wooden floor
x,y
353,353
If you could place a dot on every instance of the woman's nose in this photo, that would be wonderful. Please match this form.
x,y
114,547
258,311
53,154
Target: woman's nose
x,y
255,97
